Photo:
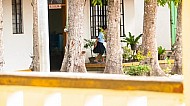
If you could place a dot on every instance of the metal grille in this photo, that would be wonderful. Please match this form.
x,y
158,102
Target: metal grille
x,y
122,26
55,1
17,20
98,18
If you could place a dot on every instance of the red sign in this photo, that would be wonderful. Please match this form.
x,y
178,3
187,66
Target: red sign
x,y
55,6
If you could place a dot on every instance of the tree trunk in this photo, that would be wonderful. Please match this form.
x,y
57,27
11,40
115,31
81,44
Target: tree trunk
x,y
113,49
1,36
35,65
149,38
74,58
177,69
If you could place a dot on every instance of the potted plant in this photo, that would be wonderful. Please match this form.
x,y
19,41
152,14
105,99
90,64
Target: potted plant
x,y
161,52
89,44
132,40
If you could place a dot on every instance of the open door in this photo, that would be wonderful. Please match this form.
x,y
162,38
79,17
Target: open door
x,y
57,36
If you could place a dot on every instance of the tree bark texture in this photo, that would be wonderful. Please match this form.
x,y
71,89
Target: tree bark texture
x,y
177,69
35,65
1,37
113,49
74,58
149,37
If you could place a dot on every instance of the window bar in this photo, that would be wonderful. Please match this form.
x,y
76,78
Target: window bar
x,y
16,23
94,21
123,17
98,17
91,23
20,17
105,12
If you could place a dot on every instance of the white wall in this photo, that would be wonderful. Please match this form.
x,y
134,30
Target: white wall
x,y
87,27
163,23
18,47
133,15
129,16
163,32
139,12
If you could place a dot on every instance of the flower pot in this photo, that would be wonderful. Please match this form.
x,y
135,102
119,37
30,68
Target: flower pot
x,y
133,46
91,59
161,57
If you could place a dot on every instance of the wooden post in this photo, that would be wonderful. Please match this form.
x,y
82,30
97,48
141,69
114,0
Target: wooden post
x,y
186,49
43,35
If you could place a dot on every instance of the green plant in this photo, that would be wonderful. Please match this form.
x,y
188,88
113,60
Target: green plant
x,y
89,45
161,51
137,70
168,69
131,40
139,56
97,2
127,53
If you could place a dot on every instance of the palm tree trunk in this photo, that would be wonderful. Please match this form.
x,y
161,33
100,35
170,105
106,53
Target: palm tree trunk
x,y
1,37
74,58
149,38
177,69
113,49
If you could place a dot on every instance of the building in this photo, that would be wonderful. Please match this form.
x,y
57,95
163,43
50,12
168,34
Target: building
x,y
18,29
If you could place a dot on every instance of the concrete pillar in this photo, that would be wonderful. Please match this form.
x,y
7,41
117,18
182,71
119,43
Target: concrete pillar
x,y
43,35
186,49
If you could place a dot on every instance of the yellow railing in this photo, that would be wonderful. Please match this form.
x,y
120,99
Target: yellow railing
x,y
69,89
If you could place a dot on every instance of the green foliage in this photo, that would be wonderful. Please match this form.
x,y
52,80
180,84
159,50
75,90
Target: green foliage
x,y
161,50
127,53
168,2
168,69
131,40
89,45
137,70
97,2
139,56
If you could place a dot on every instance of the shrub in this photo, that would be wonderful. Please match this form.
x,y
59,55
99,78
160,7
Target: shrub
x,y
127,53
137,70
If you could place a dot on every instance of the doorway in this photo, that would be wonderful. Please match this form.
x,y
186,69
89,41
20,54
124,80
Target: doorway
x,y
57,36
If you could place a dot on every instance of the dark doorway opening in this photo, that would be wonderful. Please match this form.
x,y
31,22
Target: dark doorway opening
x,y
56,39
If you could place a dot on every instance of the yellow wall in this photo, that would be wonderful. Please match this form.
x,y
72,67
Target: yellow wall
x,y
77,89
43,96
186,49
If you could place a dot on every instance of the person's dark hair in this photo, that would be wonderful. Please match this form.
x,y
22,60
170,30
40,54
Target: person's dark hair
x,y
104,27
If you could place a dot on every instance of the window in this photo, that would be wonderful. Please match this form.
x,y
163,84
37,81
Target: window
x,y
17,20
98,18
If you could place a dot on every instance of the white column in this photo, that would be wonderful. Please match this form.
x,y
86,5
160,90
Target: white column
x,y
43,35
186,49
